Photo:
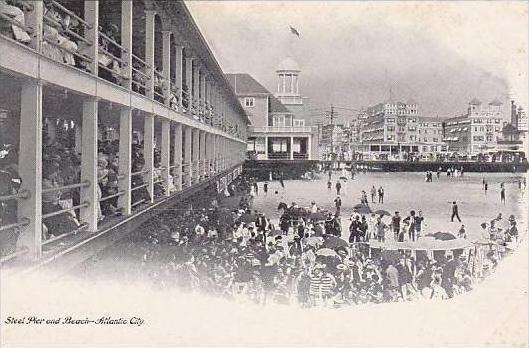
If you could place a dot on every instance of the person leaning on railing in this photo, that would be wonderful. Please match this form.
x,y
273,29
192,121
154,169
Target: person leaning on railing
x,y
56,36
10,10
61,223
10,182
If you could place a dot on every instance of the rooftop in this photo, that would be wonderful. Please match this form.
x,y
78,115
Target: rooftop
x,y
288,64
244,84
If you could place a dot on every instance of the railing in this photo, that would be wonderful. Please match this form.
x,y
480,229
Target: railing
x,y
278,155
301,156
174,96
293,129
56,20
139,75
159,86
110,62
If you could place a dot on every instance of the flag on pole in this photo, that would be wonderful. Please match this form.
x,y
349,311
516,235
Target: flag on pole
x,y
294,31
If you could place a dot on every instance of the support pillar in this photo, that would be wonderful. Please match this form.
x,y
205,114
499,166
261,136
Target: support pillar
x,y
166,66
178,66
309,147
91,16
196,90
202,154
148,154
177,160
166,154
34,20
196,154
90,194
30,168
125,159
149,51
126,42
189,84
291,148
266,147
188,158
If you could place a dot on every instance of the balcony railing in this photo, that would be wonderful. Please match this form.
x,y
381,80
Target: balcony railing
x,y
294,129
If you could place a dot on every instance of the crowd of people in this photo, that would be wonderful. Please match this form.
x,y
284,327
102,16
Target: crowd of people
x,y
239,254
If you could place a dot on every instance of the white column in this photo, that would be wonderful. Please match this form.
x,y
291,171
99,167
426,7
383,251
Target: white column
x,y
91,15
165,153
203,160
266,147
34,20
126,42
196,89
149,51
309,147
291,148
30,167
89,194
148,153
125,159
189,83
166,66
178,173
178,66
292,84
196,155
188,158
203,94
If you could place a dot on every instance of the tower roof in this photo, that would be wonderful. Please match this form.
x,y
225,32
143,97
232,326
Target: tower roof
x,y
475,101
288,64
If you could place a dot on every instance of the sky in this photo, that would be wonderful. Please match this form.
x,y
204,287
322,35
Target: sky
x,y
356,54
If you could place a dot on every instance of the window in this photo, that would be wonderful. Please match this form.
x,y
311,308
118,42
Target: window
x,y
299,123
435,140
391,120
390,128
278,121
478,138
497,129
249,102
497,121
489,137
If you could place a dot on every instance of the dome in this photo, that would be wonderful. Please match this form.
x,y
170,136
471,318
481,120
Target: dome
x,y
288,64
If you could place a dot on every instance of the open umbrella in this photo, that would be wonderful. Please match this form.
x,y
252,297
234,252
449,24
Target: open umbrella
x,y
362,209
442,235
334,242
276,233
326,252
382,212
314,241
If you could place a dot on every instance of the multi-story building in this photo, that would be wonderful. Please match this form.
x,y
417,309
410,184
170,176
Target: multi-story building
x,y
276,133
392,128
133,69
476,131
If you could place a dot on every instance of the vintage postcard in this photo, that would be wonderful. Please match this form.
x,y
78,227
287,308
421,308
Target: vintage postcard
x,y
264,173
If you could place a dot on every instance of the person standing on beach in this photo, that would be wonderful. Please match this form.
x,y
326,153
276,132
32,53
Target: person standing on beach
x,y
395,224
380,195
502,195
373,193
486,186
265,188
338,187
455,212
